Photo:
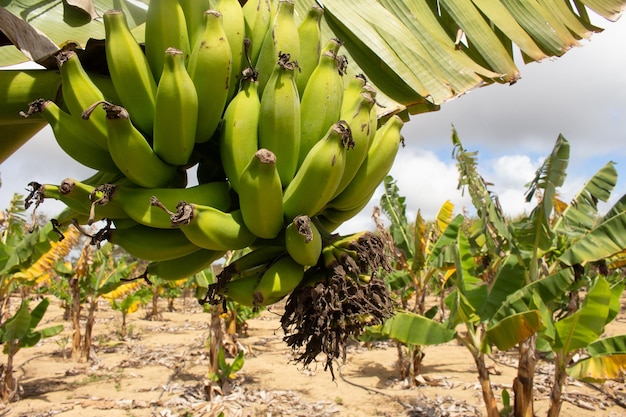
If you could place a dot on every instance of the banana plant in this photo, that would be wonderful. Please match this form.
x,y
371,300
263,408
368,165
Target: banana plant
x,y
543,279
517,284
130,303
412,277
19,332
94,275
418,54
24,256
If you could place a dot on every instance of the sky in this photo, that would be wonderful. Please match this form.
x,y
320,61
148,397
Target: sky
x,y
581,95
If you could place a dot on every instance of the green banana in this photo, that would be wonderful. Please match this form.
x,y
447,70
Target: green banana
x,y
258,257
136,201
321,100
282,37
149,243
235,28
258,18
82,198
279,126
320,174
53,191
239,133
131,151
280,279
209,227
309,33
71,137
209,67
303,241
80,92
166,27
331,218
185,266
194,16
241,289
130,71
352,93
69,216
374,168
175,112
103,177
261,195
358,118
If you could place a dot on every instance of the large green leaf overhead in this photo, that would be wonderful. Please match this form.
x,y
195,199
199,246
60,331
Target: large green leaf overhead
x,y
419,53
63,21
441,49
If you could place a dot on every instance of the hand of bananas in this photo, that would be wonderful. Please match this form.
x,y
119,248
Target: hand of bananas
x,y
285,149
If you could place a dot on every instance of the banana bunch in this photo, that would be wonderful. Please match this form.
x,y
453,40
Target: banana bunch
x,y
284,147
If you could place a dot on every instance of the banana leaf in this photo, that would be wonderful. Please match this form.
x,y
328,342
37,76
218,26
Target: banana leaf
x,y
616,209
420,243
394,206
417,53
608,346
447,238
616,304
536,232
581,214
19,330
583,327
549,289
410,49
511,276
58,23
495,231
512,330
444,216
413,329
606,239
599,368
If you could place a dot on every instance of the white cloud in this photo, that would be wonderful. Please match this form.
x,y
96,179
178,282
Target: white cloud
x,y
425,181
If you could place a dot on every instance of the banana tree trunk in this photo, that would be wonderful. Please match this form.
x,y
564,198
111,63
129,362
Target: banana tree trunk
x,y
560,375
154,314
86,348
523,382
9,383
216,338
76,338
485,383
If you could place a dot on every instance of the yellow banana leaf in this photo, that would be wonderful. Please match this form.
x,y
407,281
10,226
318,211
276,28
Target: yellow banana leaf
x,y
512,330
123,290
39,270
599,368
444,215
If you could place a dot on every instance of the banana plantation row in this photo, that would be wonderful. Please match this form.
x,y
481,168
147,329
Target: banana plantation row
x,y
549,282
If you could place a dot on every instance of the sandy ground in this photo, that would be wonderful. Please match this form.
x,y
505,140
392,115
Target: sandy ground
x,y
161,369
